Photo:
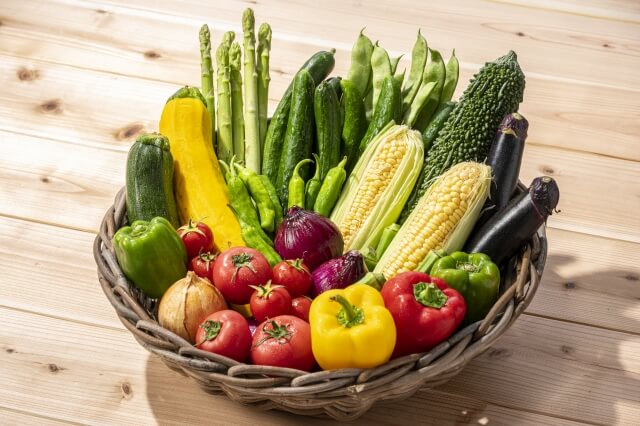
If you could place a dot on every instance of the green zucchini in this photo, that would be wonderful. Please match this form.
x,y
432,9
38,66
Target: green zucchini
x,y
149,180
298,139
319,66
327,116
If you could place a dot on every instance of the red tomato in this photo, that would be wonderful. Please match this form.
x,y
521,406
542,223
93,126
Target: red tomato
x,y
238,268
197,238
226,333
300,307
283,341
294,275
269,301
202,265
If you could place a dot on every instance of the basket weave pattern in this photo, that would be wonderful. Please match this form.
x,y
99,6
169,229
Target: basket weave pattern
x,y
343,394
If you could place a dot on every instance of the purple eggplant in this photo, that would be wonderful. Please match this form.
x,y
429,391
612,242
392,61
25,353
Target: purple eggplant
x,y
509,229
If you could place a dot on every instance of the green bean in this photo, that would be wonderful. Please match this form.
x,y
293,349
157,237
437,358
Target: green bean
x,y
418,62
331,188
296,186
394,63
418,103
435,72
450,79
399,78
381,68
360,69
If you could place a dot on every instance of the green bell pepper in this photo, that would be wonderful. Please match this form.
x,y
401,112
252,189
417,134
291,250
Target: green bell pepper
x,y
151,255
475,276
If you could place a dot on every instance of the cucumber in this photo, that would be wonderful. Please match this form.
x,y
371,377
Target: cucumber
x,y
431,132
319,66
334,82
327,116
355,122
298,139
149,180
388,108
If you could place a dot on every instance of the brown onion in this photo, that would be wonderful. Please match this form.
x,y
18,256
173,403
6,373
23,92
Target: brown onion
x,y
186,304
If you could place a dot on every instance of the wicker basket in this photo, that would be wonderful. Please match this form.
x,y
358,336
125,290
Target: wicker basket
x,y
341,394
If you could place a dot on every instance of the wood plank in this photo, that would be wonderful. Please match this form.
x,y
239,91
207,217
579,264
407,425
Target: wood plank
x,y
570,370
560,112
13,417
99,387
476,31
619,10
590,280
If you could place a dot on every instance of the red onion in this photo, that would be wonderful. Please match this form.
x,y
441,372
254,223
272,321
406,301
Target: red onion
x,y
338,273
309,236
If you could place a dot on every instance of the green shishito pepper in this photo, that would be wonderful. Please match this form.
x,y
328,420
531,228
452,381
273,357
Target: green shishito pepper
x,y
151,255
475,276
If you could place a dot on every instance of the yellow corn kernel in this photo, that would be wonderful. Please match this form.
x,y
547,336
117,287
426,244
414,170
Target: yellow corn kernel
x,y
457,195
379,186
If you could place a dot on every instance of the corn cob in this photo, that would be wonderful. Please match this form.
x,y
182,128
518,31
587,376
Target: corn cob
x,y
442,219
379,186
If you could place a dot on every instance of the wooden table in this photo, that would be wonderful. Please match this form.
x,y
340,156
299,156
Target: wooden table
x,y
80,79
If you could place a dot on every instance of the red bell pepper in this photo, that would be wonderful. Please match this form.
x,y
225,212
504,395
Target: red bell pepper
x,y
425,310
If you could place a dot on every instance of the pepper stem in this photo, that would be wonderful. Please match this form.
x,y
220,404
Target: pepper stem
x,y
350,315
139,229
429,295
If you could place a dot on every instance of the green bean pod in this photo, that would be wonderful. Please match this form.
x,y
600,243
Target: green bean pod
x,y
450,79
381,69
435,72
418,62
360,69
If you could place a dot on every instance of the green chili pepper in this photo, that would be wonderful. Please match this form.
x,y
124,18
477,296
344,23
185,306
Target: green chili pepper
x,y
151,255
260,195
255,239
242,206
296,186
475,276
313,185
330,189
273,195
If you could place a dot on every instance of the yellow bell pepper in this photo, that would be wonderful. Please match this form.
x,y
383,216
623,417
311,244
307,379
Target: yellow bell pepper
x,y
351,328
200,189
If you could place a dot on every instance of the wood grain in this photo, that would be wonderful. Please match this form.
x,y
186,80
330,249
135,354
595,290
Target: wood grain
x,y
482,31
99,387
79,80
79,35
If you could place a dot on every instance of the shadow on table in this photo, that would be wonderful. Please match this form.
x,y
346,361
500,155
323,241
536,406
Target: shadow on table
x,y
515,372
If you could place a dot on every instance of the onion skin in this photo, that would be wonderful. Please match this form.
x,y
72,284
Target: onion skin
x,y
338,273
187,303
306,235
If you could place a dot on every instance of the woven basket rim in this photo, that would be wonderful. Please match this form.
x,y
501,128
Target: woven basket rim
x,y
343,394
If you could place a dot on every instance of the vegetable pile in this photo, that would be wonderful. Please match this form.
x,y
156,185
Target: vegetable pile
x,y
368,219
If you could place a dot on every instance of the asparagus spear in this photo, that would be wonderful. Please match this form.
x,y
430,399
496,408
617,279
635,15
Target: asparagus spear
x,y
207,78
227,38
262,65
251,129
237,117
225,134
